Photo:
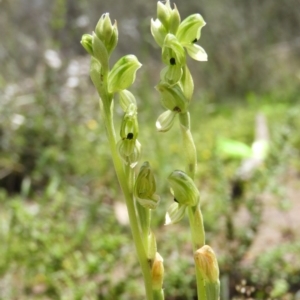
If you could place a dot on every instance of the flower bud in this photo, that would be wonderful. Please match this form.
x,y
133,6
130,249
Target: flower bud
x,y
145,187
172,51
175,213
206,262
126,98
87,43
157,272
190,29
107,32
172,97
165,121
123,73
184,189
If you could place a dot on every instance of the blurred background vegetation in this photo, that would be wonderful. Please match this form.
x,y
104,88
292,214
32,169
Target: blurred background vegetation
x,y
63,226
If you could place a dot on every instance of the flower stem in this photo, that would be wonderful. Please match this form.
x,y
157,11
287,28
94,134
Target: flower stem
x,y
106,110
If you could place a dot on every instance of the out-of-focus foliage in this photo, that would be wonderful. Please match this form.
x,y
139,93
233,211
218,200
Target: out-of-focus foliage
x,y
63,228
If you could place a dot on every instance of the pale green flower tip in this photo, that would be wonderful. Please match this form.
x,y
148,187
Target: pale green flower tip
x,y
206,262
123,73
126,98
174,20
157,272
163,14
87,43
165,121
145,187
175,213
184,189
158,31
129,151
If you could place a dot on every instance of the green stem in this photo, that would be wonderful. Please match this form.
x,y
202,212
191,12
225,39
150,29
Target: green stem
x,y
194,213
142,257
158,294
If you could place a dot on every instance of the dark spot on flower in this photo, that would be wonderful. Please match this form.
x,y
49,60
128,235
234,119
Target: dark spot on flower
x,y
130,136
177,109
194,41
172,61
175,200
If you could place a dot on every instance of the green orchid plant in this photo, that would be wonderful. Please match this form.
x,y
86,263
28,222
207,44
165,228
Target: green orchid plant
x,y
176,39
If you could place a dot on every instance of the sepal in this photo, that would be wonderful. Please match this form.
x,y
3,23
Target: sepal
x,y
123,73
184,189
165,121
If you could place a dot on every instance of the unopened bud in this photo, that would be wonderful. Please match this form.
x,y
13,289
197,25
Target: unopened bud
x,y
157,272
100,52
123,73
145,187
184,189
164,14
107,32
206,262
87,43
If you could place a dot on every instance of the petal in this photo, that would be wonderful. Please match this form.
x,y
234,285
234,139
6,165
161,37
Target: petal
x,y
196,52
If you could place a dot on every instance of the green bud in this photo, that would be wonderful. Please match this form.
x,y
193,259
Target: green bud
x,y
100,52
126,98
107,32
129,127
196,52
184,189
174,20
158,31
172,97
171,74
145,187
163,14
187,83
157,272
87,43
172,51
189,30
175,213
206,262
165,121
123,73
